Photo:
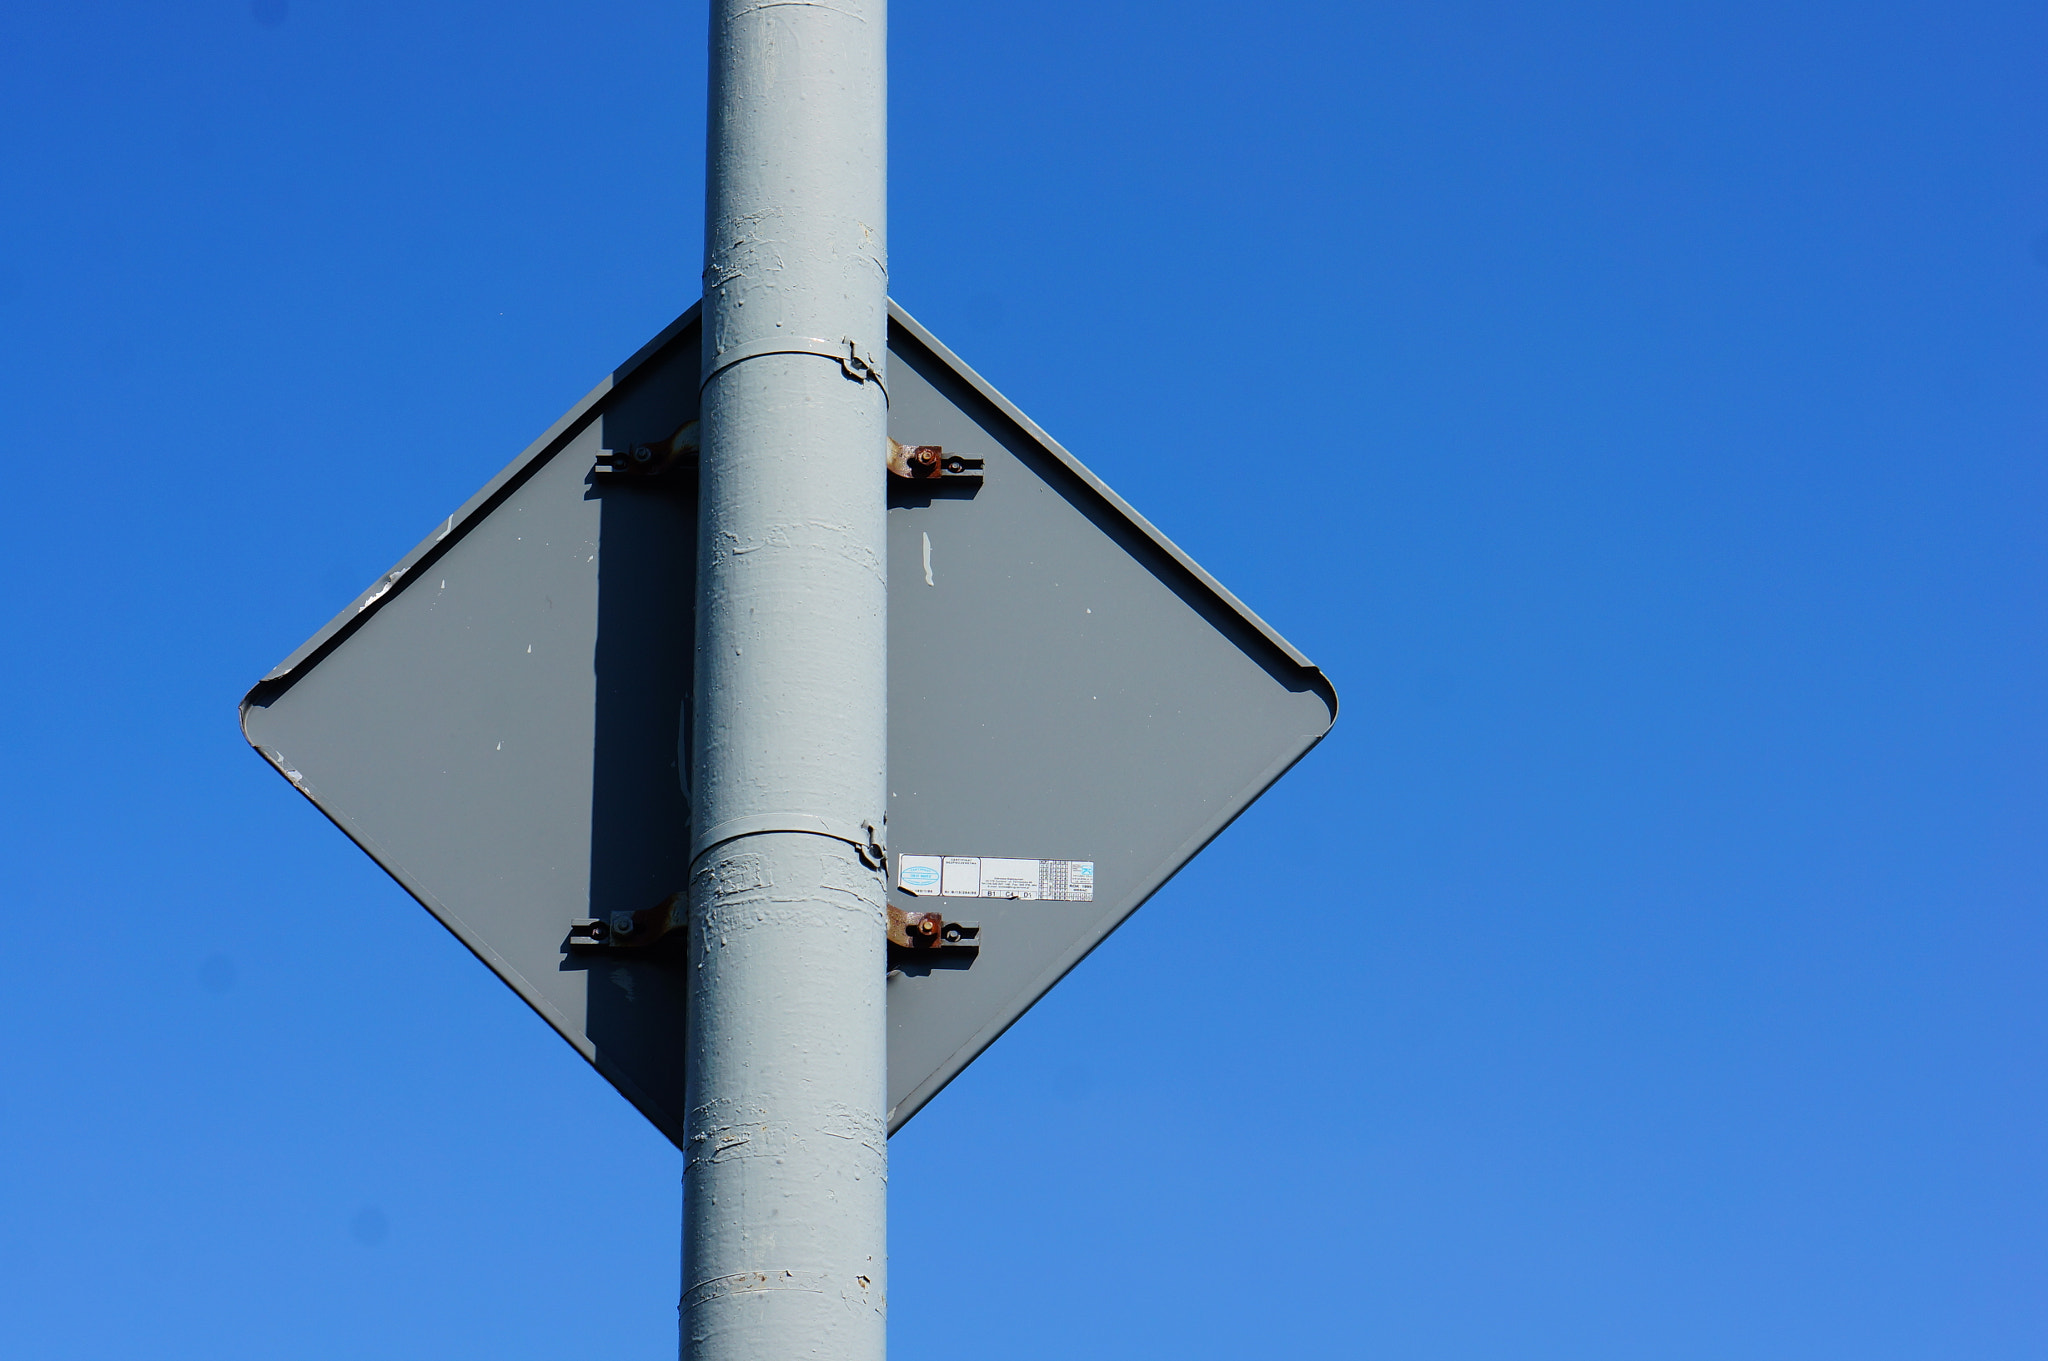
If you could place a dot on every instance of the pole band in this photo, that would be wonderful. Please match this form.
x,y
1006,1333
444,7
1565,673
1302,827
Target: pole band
x,y
859,365
865,838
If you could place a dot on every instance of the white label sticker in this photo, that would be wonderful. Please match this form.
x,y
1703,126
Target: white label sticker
x,y
961,877
969,876
918,873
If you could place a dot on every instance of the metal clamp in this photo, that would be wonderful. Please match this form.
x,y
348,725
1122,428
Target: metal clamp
x,y
856,363
630,930
651,461
923,935
866,839
861,368
930,463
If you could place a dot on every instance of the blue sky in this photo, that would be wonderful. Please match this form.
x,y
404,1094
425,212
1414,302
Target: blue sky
x,y
1637,411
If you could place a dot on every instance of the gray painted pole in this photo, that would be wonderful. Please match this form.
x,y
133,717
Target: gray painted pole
x,y
785,1176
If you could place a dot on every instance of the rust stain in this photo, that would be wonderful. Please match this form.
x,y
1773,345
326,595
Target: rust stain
x,y
930,462
916,933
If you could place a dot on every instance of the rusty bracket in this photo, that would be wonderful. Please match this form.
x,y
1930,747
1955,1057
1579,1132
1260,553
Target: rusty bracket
x,y
930,463
651,461
914,935
630,930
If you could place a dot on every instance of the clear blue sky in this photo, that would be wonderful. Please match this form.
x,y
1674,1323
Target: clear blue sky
x,y
1637,410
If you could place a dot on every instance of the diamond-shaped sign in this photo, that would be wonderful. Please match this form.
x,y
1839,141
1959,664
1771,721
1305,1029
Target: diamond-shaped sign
x,y
1075,709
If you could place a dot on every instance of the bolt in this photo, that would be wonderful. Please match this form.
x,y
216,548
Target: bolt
x,y
642,454
622,923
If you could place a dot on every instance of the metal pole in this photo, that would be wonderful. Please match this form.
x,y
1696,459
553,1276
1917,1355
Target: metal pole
x,y
785,1177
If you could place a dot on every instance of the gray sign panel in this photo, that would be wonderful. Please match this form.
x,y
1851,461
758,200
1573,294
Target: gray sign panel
x,y
496,721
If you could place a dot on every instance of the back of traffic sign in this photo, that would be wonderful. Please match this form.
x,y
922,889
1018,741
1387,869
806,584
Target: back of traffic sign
x,y
1075,709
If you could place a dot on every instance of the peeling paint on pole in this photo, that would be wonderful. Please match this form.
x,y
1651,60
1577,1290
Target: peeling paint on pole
x,y
786,1152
